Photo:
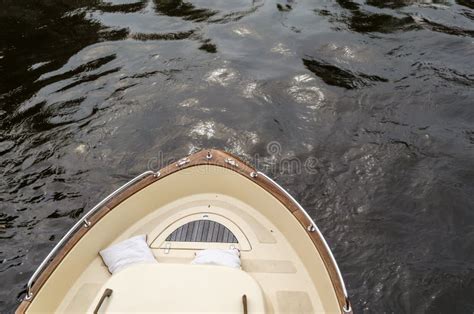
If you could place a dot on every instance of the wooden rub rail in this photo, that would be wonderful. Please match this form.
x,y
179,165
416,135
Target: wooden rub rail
x,y
210,157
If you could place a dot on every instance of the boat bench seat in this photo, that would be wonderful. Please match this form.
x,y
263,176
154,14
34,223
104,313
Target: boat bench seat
x,y
180,288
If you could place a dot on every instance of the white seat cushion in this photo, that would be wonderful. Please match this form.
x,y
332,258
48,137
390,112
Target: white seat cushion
x,y
228,258
132,251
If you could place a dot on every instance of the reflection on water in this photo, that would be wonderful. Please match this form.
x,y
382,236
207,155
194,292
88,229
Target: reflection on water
x,y
380,92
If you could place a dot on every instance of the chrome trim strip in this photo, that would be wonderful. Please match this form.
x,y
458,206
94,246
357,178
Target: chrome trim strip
x,y
82,222
315,226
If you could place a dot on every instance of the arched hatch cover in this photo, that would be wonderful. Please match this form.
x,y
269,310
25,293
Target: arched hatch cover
x,y
202,231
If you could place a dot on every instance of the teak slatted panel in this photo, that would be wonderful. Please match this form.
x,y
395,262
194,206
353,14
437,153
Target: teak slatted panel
x,y
202,231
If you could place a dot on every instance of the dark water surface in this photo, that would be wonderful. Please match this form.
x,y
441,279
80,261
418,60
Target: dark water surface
x,y
380,92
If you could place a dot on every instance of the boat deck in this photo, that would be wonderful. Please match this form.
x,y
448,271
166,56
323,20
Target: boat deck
x,y
275,249
179,230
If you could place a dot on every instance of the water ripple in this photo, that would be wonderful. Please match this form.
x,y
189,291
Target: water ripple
x,y
336,76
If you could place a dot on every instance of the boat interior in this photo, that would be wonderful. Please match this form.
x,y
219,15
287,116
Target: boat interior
x,y
195,208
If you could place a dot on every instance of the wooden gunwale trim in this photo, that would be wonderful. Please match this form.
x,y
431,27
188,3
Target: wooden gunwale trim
x,y
197,159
